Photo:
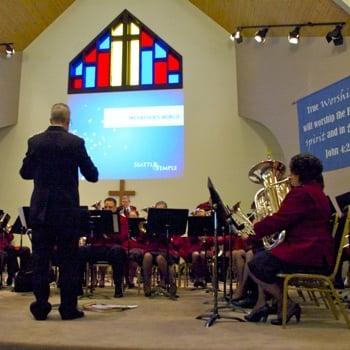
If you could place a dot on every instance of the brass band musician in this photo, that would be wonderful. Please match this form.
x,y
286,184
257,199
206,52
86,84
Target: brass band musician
x,y
308,246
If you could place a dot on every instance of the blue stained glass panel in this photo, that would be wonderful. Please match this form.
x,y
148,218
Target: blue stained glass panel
x,y
90,77
78,68
159,52
104,42
174,78
146,67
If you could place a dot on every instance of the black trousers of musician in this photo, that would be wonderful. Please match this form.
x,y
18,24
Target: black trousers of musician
x,y
23,253
116,256
44,239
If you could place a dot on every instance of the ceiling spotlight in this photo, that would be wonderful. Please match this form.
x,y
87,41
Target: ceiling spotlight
x,y
335,35
294,36
261,34
10,51
237,36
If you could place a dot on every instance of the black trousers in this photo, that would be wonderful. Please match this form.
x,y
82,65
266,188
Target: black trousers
x,y
12,253
44,239
116,256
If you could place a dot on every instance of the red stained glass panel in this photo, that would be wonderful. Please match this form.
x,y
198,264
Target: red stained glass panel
x,y
160,73
77,83
90,56
173,63
146,40
103,63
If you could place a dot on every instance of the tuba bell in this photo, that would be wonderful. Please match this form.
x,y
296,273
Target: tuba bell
x,y
270,174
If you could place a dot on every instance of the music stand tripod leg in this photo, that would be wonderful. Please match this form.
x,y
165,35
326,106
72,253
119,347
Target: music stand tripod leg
x,y
214,316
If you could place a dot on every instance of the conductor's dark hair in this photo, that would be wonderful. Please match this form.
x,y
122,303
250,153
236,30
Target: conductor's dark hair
x,y
308,167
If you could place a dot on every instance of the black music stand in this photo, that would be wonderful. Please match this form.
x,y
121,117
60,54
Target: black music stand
x,y
94,224
199,226
19,229
24,217
134,227
99,222
222,218
343,200
162,224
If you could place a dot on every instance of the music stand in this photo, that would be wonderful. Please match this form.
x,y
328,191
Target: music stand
x,y
95,224
162,224
100,222
134,226
23,213
343,200
223,218
199,226
18,228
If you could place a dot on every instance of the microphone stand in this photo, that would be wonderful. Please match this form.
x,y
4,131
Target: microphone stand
x,y
212,317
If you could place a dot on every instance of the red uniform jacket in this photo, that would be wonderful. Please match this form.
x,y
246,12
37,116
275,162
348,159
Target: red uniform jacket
x,y
304,214
5,240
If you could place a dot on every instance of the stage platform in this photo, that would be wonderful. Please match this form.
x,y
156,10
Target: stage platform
x,y
160,324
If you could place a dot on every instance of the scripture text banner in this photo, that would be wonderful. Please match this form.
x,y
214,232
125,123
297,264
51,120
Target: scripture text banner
x,y
324,124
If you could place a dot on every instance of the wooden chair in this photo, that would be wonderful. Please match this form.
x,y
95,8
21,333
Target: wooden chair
x,y
322,284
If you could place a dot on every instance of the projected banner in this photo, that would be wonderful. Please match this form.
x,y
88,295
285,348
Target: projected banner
x,y
324,124
132,135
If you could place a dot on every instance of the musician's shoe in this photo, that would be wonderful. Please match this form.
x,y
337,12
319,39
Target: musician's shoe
x,y
9,280
247,303
199,283
172,291
147,290
118,293
72,315
272,309
40,311
259,314
295,310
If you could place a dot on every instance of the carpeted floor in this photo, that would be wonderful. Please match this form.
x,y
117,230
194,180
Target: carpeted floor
x,y
160,324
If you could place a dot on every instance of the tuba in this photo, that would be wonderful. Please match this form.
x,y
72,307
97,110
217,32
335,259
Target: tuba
x,y
270,174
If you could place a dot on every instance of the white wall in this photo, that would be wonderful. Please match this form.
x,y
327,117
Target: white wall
x,y
218,142
10,74
271,77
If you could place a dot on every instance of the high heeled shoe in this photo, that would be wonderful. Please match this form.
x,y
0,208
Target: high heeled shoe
x,y
258,314
294,311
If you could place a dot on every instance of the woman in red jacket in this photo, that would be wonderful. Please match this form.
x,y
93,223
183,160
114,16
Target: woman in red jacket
x,y
308,246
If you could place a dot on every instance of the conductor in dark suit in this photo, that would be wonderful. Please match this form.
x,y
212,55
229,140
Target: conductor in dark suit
x,y
52,161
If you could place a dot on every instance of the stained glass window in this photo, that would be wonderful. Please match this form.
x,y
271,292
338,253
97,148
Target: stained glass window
x,y
127,55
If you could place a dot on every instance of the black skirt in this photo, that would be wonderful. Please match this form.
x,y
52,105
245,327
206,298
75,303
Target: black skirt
x,y
265,267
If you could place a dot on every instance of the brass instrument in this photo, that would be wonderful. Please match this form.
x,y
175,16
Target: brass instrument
x,y
4,227
270,174
143,227
242,219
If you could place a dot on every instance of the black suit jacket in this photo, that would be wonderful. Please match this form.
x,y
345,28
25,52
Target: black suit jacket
x,y
52,161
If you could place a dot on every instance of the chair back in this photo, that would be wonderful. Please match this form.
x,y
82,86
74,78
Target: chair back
x,y
341,237
333,223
